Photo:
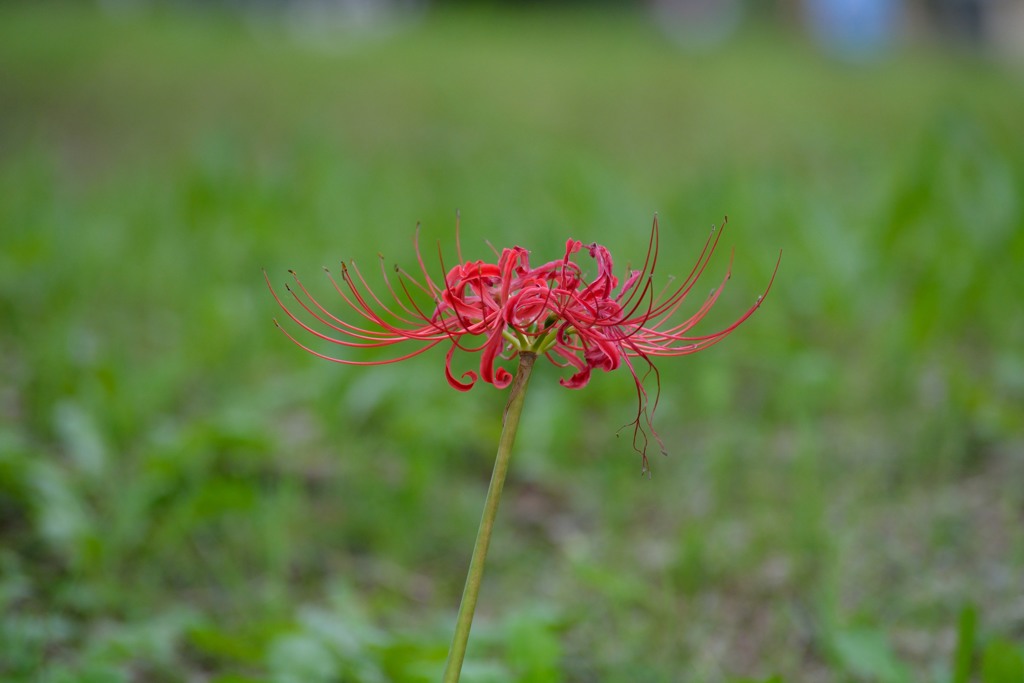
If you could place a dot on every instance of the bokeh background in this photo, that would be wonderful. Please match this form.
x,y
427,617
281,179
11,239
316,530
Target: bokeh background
x,y
185,496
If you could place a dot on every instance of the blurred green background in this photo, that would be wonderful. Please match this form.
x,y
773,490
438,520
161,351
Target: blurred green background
x,y
184,495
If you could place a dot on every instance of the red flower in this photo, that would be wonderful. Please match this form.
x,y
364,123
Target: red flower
x,y
507,308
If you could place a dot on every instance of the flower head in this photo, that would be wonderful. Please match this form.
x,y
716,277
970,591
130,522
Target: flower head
x,y
509,307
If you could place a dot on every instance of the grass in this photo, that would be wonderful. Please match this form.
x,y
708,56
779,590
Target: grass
x,y
185,496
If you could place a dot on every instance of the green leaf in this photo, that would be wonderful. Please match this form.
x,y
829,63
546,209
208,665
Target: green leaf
x,y
1002,662
81,438
866,654
300,658
964,654
533,646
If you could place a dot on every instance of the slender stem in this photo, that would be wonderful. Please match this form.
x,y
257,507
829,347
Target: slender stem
x,y
510,424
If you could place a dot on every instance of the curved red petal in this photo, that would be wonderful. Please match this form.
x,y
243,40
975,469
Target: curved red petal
x,y
456,384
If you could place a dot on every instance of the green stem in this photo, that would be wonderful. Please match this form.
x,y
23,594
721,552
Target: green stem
x,y
510,424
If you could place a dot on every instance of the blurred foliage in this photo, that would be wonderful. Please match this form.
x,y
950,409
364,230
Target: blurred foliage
x,y
186,496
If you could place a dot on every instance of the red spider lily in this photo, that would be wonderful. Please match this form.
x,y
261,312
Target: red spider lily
x,y
506,308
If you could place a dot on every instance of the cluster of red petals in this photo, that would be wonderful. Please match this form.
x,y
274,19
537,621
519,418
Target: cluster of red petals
x,y
509,307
